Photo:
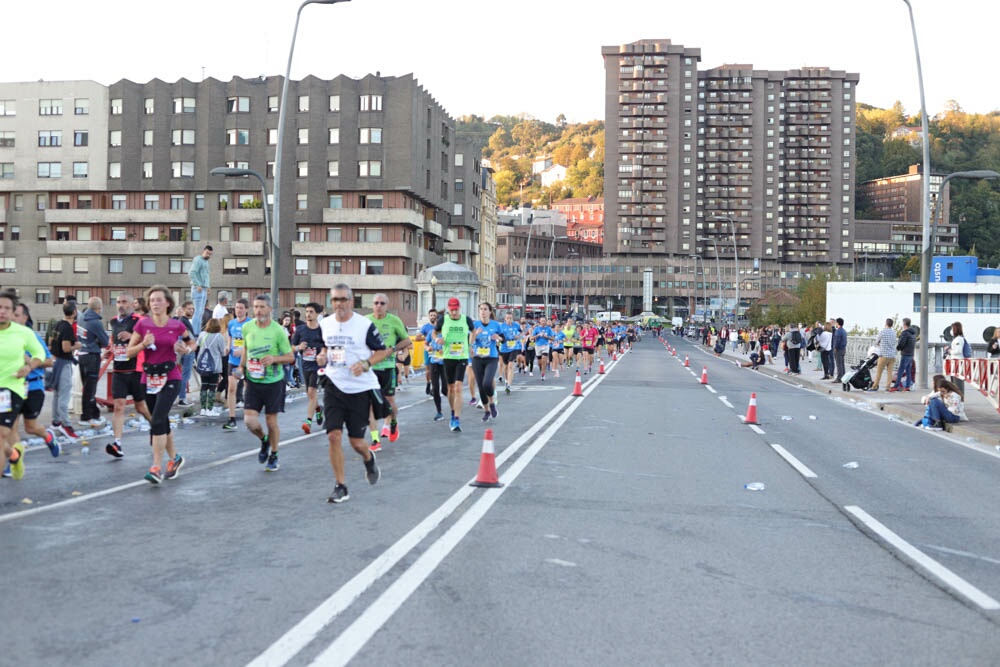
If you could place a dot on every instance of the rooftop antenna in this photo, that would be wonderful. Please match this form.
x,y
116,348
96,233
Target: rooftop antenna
x,y
202,72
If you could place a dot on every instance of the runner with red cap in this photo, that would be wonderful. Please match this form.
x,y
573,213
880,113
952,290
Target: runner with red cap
x,y
453,333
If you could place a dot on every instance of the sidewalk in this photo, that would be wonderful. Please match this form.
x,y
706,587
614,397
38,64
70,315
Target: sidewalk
x,y
984,420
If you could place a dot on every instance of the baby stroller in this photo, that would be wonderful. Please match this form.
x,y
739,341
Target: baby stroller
x,y
860,376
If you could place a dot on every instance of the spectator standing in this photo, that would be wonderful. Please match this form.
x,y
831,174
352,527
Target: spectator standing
x,y
201,281
886,342
93,339
993,348
839,348
793,347
959,349
211,351
222,307
824,341
906,346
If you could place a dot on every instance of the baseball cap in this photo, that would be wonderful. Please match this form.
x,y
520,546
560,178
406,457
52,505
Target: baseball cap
x,y
454,303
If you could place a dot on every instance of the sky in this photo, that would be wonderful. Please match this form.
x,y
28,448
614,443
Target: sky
x,y
541,58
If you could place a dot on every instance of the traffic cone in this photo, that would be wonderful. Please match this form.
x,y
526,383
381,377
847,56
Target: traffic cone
x,y
751,417
578,386
704,374
673,351
687,363
487,476
600,371
614,356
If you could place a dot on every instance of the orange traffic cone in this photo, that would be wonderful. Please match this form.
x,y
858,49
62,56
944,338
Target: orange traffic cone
x,y
704,374
487,476
751,417
687,363
673,351
600,371
578,386
614,356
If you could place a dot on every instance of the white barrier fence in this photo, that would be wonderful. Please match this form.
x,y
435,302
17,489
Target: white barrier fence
x,y
983,374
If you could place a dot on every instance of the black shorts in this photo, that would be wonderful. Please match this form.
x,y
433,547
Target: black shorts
x,y
7,419
506,356
125,384
266,397
454,370
406,361
311,378
350,409
32,406
386,380
600,342
588,350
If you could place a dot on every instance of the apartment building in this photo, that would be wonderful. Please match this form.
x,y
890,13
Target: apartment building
x,y
726,163
368,187
487,261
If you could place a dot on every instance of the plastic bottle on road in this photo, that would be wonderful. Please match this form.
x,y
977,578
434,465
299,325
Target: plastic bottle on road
x,y
754,486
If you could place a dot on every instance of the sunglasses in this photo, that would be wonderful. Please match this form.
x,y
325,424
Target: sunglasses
x,y
379,303
339,299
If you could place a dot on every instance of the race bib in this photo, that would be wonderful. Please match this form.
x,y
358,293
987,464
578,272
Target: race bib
x,y
120,354
437,355
309,354
338,355
456,348
542,349
482,351
5,401
255,367
154,383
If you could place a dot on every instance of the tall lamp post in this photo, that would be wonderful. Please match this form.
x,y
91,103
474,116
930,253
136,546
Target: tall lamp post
x,y
434,299
548,267
524,267
279,147
736,265
230,172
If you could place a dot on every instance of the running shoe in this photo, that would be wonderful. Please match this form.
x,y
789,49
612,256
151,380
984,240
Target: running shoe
x,y
372,473
52,443
472,401
272,463
17,467
230,425
307,426
438,417
6,471
182,404
114,449
456,425
339,494
319,418
265,449
385,431
557,372
174,467
493,410
153,476
486,417
506,389
66,430
393,432
530,374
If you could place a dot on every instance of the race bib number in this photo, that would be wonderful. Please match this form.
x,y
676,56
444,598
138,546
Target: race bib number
x,y
437,355
5,401
456,348
309,354
120,354
482,351
154,383
255,367
542,349
338,356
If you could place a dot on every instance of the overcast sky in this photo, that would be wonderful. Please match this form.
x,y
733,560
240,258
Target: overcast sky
x,y
539,57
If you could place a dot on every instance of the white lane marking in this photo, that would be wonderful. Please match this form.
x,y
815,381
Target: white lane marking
x,y
792,461
709,387
347,645
305,631
559,561
934,568
756,429
726,402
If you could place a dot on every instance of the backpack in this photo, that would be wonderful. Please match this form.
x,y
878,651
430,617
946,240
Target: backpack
x,y
966,348
205,363
796,337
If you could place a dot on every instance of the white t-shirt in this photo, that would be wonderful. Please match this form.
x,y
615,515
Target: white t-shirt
x,y
219,311
346,344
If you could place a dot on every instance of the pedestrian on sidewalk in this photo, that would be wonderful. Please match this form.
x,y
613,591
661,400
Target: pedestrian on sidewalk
x,y
824,340
906,346
959,349
793,343
839,348
886,342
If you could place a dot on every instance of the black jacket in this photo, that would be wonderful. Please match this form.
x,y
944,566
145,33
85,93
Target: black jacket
x,y
907,344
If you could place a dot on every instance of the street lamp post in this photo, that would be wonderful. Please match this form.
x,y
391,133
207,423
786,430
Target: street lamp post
x,y
736,265
434,284
230,172
524,268
279,147
552,246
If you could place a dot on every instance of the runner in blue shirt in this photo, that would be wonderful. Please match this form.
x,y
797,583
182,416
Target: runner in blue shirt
x,y
510,350
435,369
427,331
542,336
558,344
486,335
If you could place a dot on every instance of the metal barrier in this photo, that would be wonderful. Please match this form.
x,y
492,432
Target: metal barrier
x,y
983,374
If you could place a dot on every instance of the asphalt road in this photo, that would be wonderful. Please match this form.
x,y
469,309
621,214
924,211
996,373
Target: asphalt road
x,y
624,534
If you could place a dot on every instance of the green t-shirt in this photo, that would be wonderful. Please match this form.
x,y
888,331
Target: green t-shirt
x,y
15,340
260,342
392,330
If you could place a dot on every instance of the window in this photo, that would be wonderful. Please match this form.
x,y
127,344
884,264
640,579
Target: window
x,y
116,264
302,168
6,170
117,106
333,234
81,265
184,105
117,233
235,266
302,201
43,295
180,265
15,233
336,201
199,201
8,108
148,265
50,264
62,233
49,138
114,170
81,137
272,137
150,233
301,266
334,266
334,135
50,107
272,104
459,159
182,169
303,103
372,267
176,204
151,203
49,170
988,303
238,105
369,234
244,234
7,139
333,168
238,137
334,102
303,136
182,138
148,106
371,103
81,106
302,234
372,201
370,135
223,201
951,303
147,169
458,208
195,236
115,138
459,185
7,265
118,202
147,137
80,169
370,168
84,233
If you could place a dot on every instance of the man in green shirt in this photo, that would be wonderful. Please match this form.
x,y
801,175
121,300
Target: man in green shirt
x,y
396,338
15,341
266,348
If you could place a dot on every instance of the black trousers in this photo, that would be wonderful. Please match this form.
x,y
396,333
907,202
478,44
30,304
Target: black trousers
x,y
90,369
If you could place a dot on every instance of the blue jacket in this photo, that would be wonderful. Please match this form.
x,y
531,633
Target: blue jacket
x,y
840,339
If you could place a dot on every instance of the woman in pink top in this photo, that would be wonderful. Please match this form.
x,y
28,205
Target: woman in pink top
x,y
162,341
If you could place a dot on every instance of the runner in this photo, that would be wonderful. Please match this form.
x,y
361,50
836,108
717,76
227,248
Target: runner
x,y
125,380
265,351
308,341
588,340
486,335
452,333
435,366
542,337
511,353
394,336
16,341
426,331
528,344
572,341
404,367
234,342
163,339
556,355
36,392
211,350
351,345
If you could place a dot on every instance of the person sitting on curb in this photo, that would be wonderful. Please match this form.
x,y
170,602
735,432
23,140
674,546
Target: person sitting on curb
x,y
945,406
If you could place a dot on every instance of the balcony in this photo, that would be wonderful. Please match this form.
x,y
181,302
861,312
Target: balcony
x,y
245,215
120,216
144,248
383,283
356,249
380,216
246,248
